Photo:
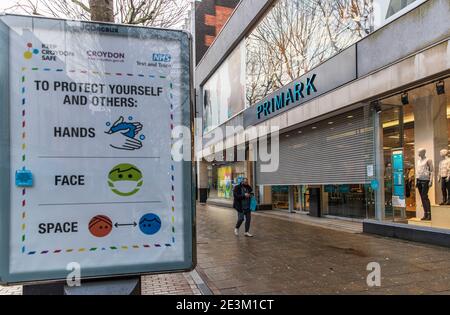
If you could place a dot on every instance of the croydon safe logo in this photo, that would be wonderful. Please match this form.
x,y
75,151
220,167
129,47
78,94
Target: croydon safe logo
x,y
48,52
28,54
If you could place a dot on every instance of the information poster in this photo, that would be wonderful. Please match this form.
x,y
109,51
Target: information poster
x,y
225,182
92,109
398,193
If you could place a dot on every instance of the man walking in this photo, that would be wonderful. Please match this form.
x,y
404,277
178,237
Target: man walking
x,y
242,194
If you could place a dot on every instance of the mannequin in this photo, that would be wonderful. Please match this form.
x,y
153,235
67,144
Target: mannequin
x,y
444,177
424,175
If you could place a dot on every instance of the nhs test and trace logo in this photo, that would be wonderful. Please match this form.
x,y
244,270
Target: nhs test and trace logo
x,y
157,57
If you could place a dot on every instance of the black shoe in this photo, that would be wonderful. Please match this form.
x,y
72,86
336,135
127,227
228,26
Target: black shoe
x,y
443,203
426,219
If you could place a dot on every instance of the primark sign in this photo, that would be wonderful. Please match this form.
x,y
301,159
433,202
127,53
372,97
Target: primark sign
x,y
285,98
328,76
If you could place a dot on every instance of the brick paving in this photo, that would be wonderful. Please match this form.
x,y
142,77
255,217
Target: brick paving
x,y
288,257
169,284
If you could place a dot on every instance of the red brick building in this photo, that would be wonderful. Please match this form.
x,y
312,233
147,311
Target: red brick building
x,y
210,17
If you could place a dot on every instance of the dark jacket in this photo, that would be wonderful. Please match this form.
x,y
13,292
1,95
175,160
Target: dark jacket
x,y
240,202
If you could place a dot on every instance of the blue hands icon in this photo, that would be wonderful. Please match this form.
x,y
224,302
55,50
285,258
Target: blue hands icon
x,y
123,135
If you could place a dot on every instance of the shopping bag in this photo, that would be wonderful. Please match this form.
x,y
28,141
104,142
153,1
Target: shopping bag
x,y
253,204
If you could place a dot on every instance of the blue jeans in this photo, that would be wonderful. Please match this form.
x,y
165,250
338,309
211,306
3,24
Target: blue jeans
x,y
247,215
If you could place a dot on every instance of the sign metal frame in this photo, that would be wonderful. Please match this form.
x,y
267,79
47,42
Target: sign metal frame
x,y
190,255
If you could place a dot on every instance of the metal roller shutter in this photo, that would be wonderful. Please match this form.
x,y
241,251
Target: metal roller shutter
x,y
334,151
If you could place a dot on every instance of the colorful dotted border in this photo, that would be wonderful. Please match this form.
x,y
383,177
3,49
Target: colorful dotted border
x,y
172,167
97,249
24,156
24,191
117,74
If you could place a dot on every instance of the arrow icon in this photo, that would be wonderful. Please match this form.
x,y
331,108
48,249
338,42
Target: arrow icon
x,y
134,224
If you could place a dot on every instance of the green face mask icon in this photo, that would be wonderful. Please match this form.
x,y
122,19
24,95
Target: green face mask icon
x,y
125,180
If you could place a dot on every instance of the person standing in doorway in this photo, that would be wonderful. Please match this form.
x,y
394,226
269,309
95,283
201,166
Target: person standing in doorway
x,y
242,194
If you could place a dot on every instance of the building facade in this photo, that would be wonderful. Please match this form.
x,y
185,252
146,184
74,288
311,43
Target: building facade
x,y
359,91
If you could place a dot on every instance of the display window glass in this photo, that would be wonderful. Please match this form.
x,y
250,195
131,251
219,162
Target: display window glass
x,y
415,131
224,92
350,201
223,178
280,197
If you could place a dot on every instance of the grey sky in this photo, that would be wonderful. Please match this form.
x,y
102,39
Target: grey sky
x,y
5,4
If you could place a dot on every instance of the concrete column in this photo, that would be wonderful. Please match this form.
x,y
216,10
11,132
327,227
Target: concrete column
x,y
300,197
249,173
430,132
379,168
202,167
265,195
250,164
203,174
291,199
324,200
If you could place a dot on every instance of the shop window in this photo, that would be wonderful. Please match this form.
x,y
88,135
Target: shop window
x,y
415,128
297,35
223,93
301,198
351,201
396,6
280,197
223,178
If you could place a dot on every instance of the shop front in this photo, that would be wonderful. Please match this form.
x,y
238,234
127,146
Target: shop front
x,y
363,129
333,157
388,160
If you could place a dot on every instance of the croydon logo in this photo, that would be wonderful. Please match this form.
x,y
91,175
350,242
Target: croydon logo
x,y
106,56
30,52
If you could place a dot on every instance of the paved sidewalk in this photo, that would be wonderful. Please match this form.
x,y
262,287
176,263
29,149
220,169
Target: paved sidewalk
x,y
289,257
333,224
167,284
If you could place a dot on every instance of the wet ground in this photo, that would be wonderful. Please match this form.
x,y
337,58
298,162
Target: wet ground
x,y
288,257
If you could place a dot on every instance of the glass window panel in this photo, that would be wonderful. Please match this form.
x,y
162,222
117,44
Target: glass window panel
x,y
418,119
296,36
223,93
280,197
396,6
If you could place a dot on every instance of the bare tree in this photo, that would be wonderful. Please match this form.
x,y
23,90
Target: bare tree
x,y
297,35
159,13
100,10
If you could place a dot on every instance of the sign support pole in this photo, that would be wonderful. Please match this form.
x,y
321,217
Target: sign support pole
x,y
111,286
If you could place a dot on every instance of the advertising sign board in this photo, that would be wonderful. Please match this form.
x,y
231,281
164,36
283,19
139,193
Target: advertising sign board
x,y
88,112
